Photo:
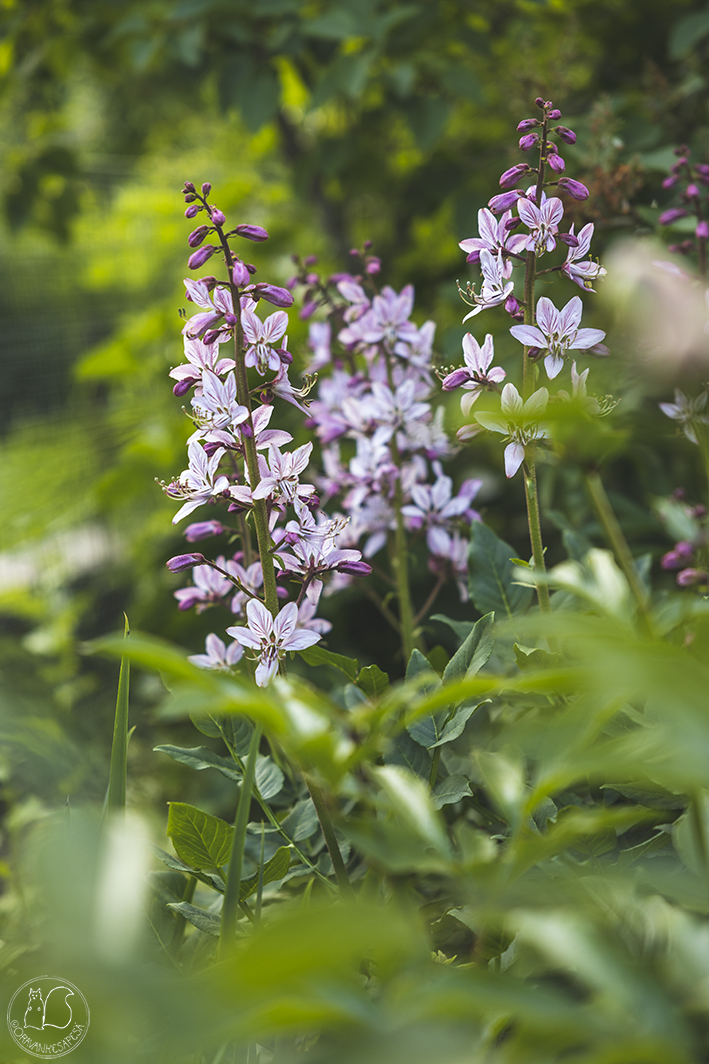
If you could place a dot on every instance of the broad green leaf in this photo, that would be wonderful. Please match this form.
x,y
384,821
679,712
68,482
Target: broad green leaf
x,y
461,628
474,653
534,657
645,794
456,725
269,778
199,758
200,918
688,32
302,821
201,840
407,753
319,656
273,870
149,652
428,729
450,790
410,798
491,574
168,859
372,681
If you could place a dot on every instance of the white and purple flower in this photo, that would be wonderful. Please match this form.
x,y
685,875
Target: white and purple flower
x,y
557,331
271,637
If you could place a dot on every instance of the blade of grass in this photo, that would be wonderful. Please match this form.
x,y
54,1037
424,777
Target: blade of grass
x,y
116,793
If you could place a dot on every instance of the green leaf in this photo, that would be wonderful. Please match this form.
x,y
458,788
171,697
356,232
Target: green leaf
x,y
201,840
688,32
427,117
372,681
118,772
456,724
168,859
461,628
302,821
425,730
410,798
535,658
273,870
644,794
199,758
319,656
474,653
200,918
450,790
269,778
491,574
407,753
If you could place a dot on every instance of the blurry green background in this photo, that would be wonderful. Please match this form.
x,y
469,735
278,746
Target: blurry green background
x,y
329,123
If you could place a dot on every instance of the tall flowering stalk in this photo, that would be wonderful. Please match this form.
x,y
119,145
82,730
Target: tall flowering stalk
x,y
547,333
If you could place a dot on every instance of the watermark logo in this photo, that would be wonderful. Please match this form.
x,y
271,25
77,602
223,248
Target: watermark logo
x,y
48,1017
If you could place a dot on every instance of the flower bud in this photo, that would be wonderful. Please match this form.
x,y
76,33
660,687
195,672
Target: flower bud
x,y
200,257
527,142
360,568
469,432
702,168
239,274
574,189
280,297
688,577
554,114
512,223
308,310
512,176
218,217
567,135
503,202
252,232
511,305
455,379
203,529
231,320
474,256
368,244
354,252
191,211
692,191
210,337
702,231
681,149
211,447
556,163
206,188
246,430
197,236
539,102
250,267
285,356
310,260
373,266
569,239
312,278
672,215
180,562
670,182
526,124
190,197
188,187
313,502
183,386
672,560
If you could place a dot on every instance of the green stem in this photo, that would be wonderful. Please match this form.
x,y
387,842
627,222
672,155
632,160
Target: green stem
x,y
535,531
323,814
118,773
400,564
180,922
230,906
618,542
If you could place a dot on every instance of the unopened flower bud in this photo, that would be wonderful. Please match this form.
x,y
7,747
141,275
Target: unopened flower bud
x,y
670,181
190,197
511,305
180,562
526,124
211,447
554,114
310,260
367,245
569,239
692,191
218,217
312,278
539,102
231,320
702,231
504,201
197,236
567,135
373,266
246,430
512,176
474,256
280,297
291,538
574,189
191,211
360,568
203,529
252,232
251,268
210,337
681,149
689,577
239,274
534,352
308,310
285,356
512,223
672,215
183,386
468,432
354,252
313,502
556,163
206,188
188,187
702,168
455,379
200,257
527,142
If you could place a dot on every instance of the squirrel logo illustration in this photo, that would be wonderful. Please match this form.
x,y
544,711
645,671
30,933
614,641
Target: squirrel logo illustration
x,y
41,1011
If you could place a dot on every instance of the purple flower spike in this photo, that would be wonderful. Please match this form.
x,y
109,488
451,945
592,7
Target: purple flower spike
x,y
252,232
504,201
512,176
200,257
181,562
280,297
573,188
702,231
191,211
672,215
556,163
197,236
526,124
202,530
218,217
527,142
554,114
567,135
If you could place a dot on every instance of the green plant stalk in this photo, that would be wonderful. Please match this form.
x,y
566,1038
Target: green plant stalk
x,y
230,906
618,543
400,565
323,814
535,531
180,922
118,772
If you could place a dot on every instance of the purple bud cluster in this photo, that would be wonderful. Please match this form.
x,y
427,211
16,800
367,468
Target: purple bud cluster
x,y
691,181
689,557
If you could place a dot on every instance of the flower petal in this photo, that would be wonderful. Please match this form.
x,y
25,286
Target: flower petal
x,y
514,456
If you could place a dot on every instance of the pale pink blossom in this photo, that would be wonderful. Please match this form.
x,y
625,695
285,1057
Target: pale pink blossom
x,y
271,637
